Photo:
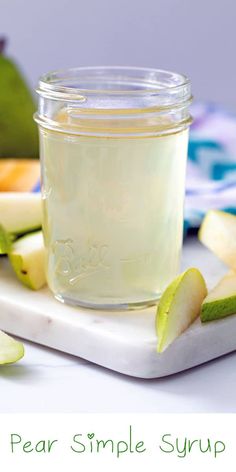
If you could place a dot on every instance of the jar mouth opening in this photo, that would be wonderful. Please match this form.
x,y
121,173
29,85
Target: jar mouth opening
x,y
122,83
114,100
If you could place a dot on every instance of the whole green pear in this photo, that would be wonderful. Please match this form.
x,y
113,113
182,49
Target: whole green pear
x,y
18,132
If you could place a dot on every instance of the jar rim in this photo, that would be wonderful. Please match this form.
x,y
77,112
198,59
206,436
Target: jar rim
x,y
114,100
115,81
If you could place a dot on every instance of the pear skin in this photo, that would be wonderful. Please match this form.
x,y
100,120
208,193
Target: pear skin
x,y
5,241
27,258
18,131
221,300
179,306
10,349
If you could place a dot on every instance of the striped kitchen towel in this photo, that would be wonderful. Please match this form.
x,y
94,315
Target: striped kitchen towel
x,y
211,169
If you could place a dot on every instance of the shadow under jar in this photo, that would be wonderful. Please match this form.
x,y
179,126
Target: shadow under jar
x,y
113,147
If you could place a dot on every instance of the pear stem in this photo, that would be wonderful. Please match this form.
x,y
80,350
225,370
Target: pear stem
x,y
2,44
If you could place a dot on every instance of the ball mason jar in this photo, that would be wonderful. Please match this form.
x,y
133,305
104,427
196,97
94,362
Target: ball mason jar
x,y
113,148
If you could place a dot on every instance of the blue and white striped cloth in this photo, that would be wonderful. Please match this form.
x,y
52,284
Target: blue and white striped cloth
x,y
211,169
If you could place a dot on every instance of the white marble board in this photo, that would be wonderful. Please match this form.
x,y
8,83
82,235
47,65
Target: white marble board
x,y
121,341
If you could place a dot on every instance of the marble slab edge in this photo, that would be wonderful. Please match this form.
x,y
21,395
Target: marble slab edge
x,y
127,355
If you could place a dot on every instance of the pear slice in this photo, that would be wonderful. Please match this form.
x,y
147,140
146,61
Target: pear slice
x,y
179,306
27,258
221,300
20,212
218,233
10,349
5,241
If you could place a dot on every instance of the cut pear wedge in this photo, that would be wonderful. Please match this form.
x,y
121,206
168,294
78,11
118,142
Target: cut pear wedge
x,y
27,257
179,306
221,300
10,349
5,241
218,233
20,212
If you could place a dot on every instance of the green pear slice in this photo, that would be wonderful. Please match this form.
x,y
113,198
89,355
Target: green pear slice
x,y
218,233
179,306
5,241
10,349
20,212
27,258
221,300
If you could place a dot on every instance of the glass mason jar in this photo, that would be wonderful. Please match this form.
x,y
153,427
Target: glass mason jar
x,y
113,146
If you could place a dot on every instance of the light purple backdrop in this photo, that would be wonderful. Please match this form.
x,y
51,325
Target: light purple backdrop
x,y
197,37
